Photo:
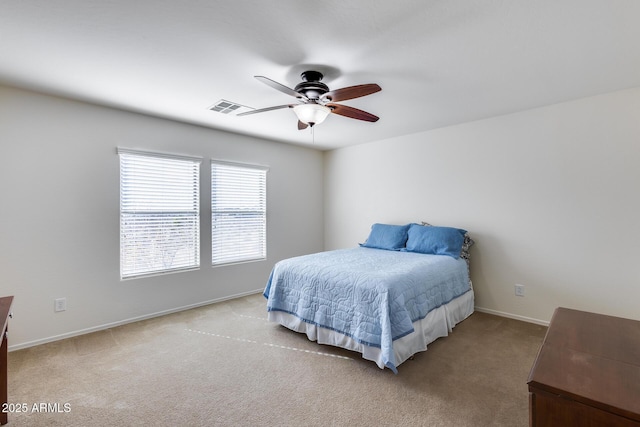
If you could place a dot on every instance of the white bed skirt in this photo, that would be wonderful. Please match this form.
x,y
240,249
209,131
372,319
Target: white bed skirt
x,y
437,324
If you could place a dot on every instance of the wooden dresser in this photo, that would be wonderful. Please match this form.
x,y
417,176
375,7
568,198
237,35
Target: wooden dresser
x,y
587,372
5,313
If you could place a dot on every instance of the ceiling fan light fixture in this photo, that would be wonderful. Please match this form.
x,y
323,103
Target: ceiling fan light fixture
x,y
311,114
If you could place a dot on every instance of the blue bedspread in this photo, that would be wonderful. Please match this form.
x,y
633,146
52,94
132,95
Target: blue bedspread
x,y
370,295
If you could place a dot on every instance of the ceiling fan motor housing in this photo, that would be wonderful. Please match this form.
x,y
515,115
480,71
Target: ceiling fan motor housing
x,y
311,87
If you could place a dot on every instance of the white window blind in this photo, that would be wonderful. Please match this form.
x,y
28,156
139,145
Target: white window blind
x,y
159,213
238,213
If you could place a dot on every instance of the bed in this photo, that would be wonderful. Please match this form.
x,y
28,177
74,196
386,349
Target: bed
x,y
387,299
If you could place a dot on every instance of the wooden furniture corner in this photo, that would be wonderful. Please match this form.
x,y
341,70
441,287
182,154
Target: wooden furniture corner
x,y
587,372
5,313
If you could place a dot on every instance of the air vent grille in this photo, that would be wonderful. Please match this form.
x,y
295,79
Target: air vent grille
x,y
228,107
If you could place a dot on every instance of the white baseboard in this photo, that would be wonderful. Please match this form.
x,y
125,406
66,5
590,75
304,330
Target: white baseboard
x,y
213,301
512,316
125,321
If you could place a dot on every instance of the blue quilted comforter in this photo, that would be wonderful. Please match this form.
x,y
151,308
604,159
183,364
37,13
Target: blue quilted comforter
x,y
371,295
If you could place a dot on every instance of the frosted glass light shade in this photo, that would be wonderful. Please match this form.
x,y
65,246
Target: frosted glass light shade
x,y
311,114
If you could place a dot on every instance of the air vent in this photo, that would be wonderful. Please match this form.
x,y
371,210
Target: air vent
x,y
228,107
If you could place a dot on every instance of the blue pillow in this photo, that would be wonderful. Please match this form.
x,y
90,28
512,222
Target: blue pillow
x,y
435,240
385,236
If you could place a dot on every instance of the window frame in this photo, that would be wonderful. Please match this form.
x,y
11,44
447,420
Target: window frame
x,y
261,212
160,218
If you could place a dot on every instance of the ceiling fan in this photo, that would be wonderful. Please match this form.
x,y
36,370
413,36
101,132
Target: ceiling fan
x,y
316,101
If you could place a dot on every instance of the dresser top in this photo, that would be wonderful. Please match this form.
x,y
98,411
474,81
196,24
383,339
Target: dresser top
x,y
593,359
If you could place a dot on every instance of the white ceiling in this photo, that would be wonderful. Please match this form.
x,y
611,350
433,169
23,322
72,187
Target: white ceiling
x,y
439,63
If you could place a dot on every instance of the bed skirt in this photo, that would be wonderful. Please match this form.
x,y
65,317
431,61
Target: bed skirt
x,y
438,323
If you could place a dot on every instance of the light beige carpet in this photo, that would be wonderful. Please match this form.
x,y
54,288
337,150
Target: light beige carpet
x,y
225,365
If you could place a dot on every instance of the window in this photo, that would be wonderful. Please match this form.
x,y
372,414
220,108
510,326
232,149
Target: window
x,y
238,213
159,213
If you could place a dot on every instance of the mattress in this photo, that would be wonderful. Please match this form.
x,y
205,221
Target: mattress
x,y
437,324
370,300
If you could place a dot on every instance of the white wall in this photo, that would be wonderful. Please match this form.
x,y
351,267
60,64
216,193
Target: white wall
x,y
550,195
59,222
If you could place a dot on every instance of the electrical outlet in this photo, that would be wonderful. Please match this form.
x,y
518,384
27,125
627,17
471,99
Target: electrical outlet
x,y
519,290
59,304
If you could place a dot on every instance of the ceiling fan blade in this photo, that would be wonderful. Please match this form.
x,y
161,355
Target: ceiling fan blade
x,y
262,110
352,113
302,125
282,88
351,92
